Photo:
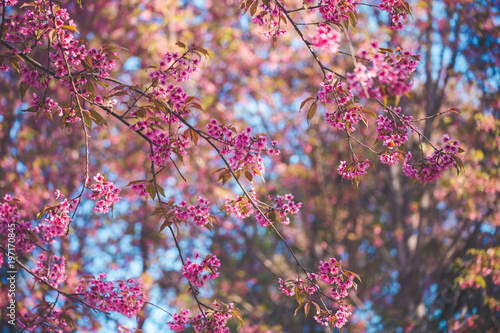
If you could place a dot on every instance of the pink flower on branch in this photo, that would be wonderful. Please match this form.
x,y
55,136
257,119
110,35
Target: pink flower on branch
x,y
431,167
11,226
125,297
327,38
105,194
51,269
398,12
337,11
179,321
331,273
277,211
354,170
199,274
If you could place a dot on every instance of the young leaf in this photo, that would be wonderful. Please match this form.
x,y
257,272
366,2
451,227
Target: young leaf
x,y
299,307
305,101
23,88
164,225
69,27
307,307
312,111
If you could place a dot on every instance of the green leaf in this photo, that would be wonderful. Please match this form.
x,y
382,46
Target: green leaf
x,y
352,18
69,27
32,235
151,190
459,162
248,175
349,274
87,119
480,280
102,84
135,182
385,50
237,314
307,307
23,88
160,189
258,172
272,216
52,35
305,101
299,296
298,308
98,119
254,7
164,225
31,109
371,113
331,324
312,111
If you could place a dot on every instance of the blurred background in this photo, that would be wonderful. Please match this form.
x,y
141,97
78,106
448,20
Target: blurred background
x,y
428,256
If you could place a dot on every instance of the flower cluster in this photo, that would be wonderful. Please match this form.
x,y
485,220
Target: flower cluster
x,y
339,319
337,11
278,210
430,168
345,118
241,207
194,273
55,321
167,105
174,95
30,77
354,170
270,17
57,220
180,68
124,297
140,189
331,273
200,214
104,193
213,321
388,75
51,269
48,105
11,226
42,21
348,113
398,12
334,92
327,38
179,321
165,146
393,130
297,286
241,149
391,158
